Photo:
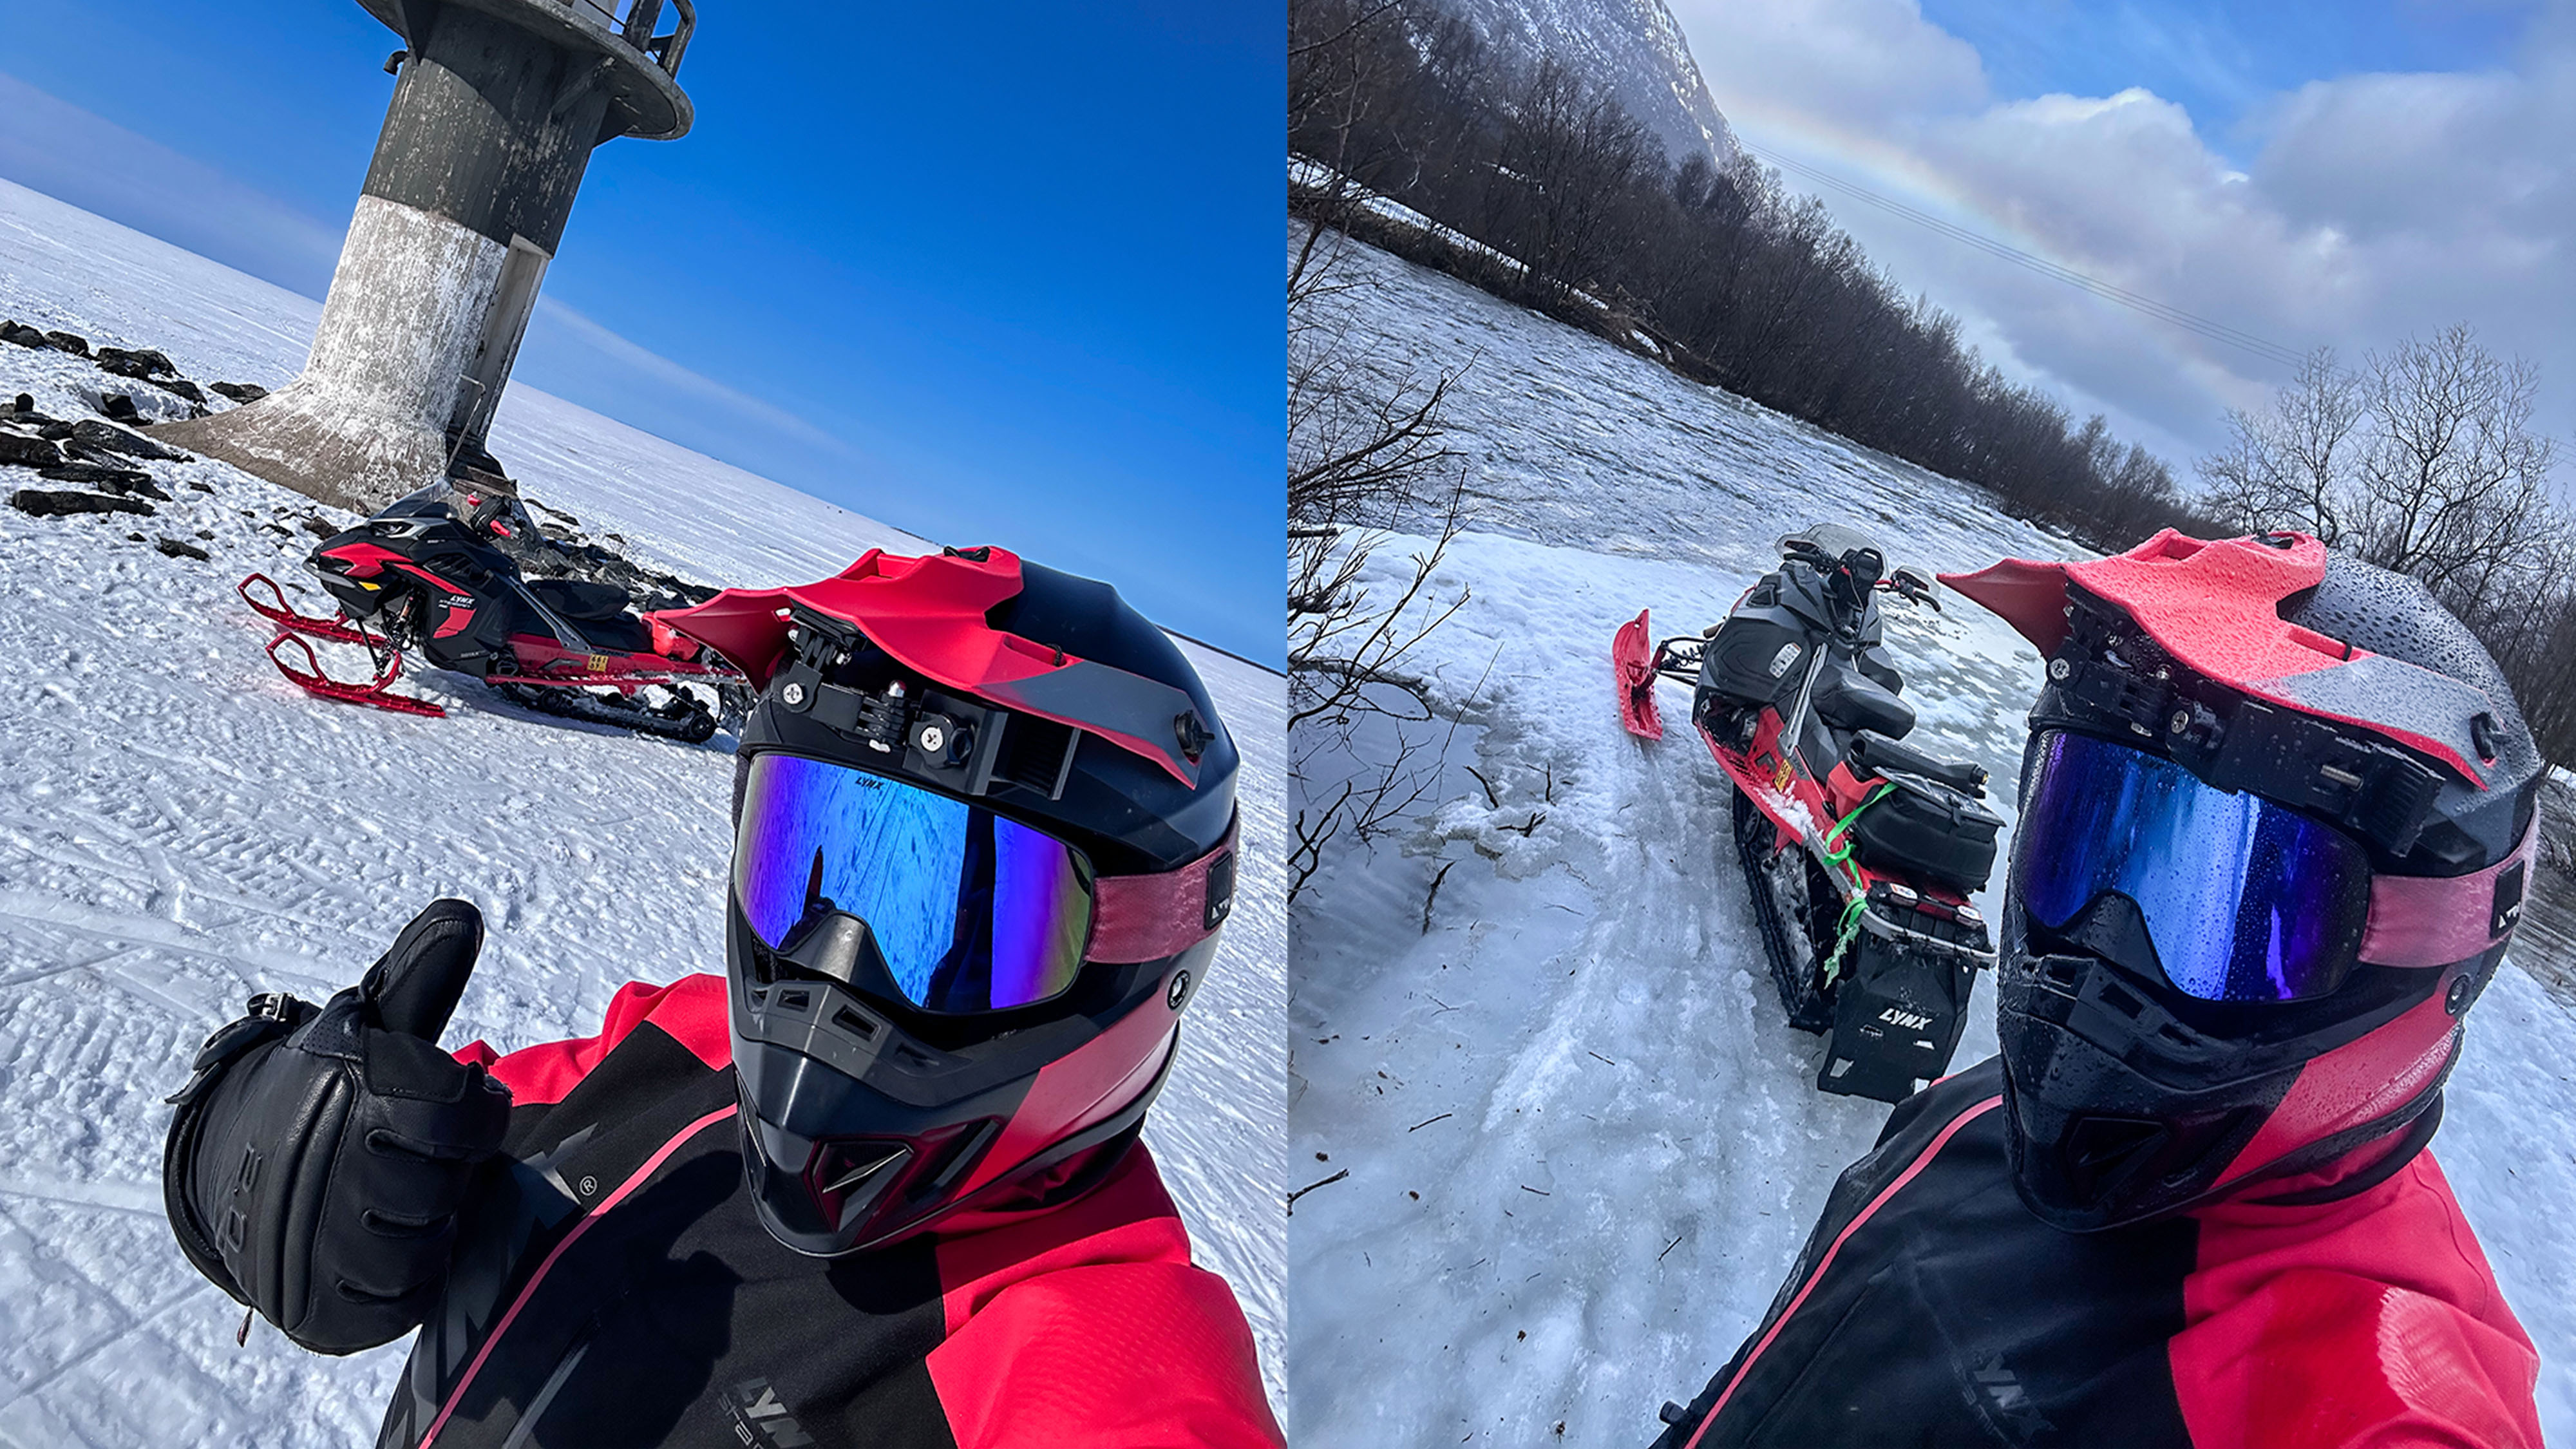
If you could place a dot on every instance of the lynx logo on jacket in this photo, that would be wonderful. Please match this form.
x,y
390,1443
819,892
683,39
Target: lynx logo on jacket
x,y
763,1421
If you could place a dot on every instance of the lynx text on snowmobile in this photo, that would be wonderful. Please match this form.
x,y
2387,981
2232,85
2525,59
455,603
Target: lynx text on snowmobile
x,y
424,575
1860,852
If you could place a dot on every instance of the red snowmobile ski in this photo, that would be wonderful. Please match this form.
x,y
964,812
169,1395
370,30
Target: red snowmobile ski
x,y
1860,852
1635,660
417,577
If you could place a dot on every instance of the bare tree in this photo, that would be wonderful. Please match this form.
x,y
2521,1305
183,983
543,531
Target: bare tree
x,y
2294,464
1337,92
1366,462
2454,479
1569,154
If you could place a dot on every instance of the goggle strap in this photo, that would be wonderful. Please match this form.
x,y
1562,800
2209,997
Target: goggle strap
x,y
2427,921
1155,917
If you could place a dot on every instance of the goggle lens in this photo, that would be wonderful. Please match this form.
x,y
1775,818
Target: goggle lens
x,y
2243,899
971,911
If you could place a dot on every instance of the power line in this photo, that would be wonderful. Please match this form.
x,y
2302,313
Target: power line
x,y
2192,322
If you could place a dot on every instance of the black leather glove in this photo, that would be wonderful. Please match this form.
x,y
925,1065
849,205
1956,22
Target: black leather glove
x,y
319,1154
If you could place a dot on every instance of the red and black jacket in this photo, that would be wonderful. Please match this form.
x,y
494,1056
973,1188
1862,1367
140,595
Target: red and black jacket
x,y
1930,1307
613,1285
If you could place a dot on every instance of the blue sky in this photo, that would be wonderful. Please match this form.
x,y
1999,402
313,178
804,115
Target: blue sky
x,y
2222,62
993,274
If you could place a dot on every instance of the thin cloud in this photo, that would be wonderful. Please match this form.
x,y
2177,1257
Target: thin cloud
x,y
48,144
660,369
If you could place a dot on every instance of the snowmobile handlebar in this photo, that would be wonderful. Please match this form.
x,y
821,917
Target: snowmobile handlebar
x,y
1859,569
1909,582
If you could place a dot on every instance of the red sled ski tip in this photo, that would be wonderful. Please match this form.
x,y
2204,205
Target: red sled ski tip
x,y
1632,656
277,611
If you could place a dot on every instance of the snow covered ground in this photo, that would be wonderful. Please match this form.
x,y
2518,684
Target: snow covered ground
x,y
180,828
1582,1145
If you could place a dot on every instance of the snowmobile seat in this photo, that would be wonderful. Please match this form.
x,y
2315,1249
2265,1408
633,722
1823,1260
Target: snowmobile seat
x,y
1847,699
575,599
1882,754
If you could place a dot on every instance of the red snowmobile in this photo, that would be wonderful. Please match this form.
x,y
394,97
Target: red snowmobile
x,y
1860,852
419,576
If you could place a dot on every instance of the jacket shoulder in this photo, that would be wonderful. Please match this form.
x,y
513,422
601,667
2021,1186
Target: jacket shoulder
x,y
690,1011
2372,1319
1089,1324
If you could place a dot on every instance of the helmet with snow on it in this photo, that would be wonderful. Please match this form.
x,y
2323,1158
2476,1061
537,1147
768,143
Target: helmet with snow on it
x,y
984,842
2278,809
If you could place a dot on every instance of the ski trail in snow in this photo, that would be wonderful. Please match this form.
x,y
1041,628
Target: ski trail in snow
x,y
1582,1146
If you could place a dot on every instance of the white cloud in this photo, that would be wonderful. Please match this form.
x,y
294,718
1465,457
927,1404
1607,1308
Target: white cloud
x,y
2374,205
704,391
1861,61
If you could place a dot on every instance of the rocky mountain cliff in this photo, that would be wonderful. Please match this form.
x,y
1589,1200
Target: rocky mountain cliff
x,y
1633,47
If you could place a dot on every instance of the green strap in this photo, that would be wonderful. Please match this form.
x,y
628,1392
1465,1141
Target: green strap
x,y
1835,854
1843,938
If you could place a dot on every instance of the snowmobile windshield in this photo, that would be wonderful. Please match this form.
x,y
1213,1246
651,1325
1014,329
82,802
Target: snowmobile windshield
x,y
2242,899
960,909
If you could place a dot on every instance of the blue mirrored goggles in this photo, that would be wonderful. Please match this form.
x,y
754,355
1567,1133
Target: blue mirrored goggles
x,y
964,910
2243,899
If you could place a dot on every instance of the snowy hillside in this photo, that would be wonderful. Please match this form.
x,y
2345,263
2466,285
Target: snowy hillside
x,y
1632,48
1583,1147
180,828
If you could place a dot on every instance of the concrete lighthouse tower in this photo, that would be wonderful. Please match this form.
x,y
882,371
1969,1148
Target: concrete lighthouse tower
x,y
491,126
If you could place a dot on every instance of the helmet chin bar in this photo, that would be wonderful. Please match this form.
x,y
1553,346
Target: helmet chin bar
x,y
831,1196
2119,1110
857,1134
865,1122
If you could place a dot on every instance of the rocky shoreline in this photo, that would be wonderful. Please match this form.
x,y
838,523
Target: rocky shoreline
x,y
105,465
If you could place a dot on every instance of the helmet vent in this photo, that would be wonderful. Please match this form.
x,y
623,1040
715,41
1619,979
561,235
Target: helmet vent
x,y
855,1024
2100,1151
1037,754
2119,1000
843,1166
950,1163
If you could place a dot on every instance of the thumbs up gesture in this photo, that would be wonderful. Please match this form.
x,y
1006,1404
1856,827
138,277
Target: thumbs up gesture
x,y
319,1155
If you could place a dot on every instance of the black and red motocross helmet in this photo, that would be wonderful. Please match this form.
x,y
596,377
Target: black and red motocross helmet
x,y
984,842
2277,813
